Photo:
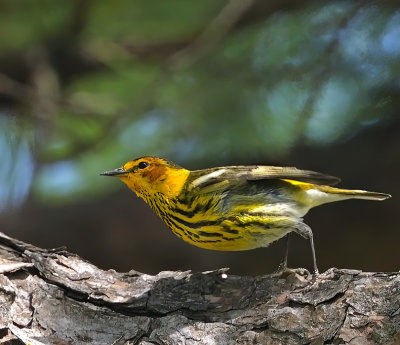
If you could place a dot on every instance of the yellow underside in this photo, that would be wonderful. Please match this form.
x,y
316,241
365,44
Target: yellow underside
x,y
247,242
241,232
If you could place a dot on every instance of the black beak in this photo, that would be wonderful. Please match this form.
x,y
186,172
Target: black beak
x,y
115,172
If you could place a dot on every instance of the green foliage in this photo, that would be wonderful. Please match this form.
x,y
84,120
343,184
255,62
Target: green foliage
x,y
26,23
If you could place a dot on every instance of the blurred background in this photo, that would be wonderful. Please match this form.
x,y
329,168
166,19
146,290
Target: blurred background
x,y
87,85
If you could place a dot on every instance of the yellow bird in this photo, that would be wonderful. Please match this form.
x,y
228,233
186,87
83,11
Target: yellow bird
x,y
233,207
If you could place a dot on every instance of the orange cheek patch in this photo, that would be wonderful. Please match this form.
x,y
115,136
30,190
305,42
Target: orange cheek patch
x,y
154,174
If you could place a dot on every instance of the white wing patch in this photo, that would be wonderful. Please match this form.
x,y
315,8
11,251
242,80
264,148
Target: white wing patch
x,y
202,179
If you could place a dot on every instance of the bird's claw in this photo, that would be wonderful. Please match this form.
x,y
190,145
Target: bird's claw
x,y
284,271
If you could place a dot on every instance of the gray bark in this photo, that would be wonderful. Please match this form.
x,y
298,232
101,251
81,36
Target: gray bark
x,y
55,297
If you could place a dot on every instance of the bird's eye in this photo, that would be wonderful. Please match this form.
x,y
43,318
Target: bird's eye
x,y
143,165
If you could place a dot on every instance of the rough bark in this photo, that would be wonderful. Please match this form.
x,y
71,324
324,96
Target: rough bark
x,y
55,297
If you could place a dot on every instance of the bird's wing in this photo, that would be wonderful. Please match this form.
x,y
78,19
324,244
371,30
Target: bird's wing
x,y
222,177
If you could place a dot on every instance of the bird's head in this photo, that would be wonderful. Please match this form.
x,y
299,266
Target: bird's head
x,y
147,176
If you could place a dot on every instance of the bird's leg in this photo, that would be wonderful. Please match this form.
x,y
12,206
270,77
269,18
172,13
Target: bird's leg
x,y
283,269
305,231
283,265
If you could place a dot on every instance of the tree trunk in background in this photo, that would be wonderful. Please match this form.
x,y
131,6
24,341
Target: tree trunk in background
x,y
54,297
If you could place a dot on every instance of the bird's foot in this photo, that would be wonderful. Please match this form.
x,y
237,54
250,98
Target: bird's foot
x,y
284,271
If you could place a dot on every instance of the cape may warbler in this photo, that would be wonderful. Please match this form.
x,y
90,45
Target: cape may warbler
x,y
234,207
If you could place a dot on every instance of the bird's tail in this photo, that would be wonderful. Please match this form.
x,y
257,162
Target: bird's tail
x,y
314,195
331,194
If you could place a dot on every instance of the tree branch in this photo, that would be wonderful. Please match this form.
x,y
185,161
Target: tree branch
x,y
55,297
